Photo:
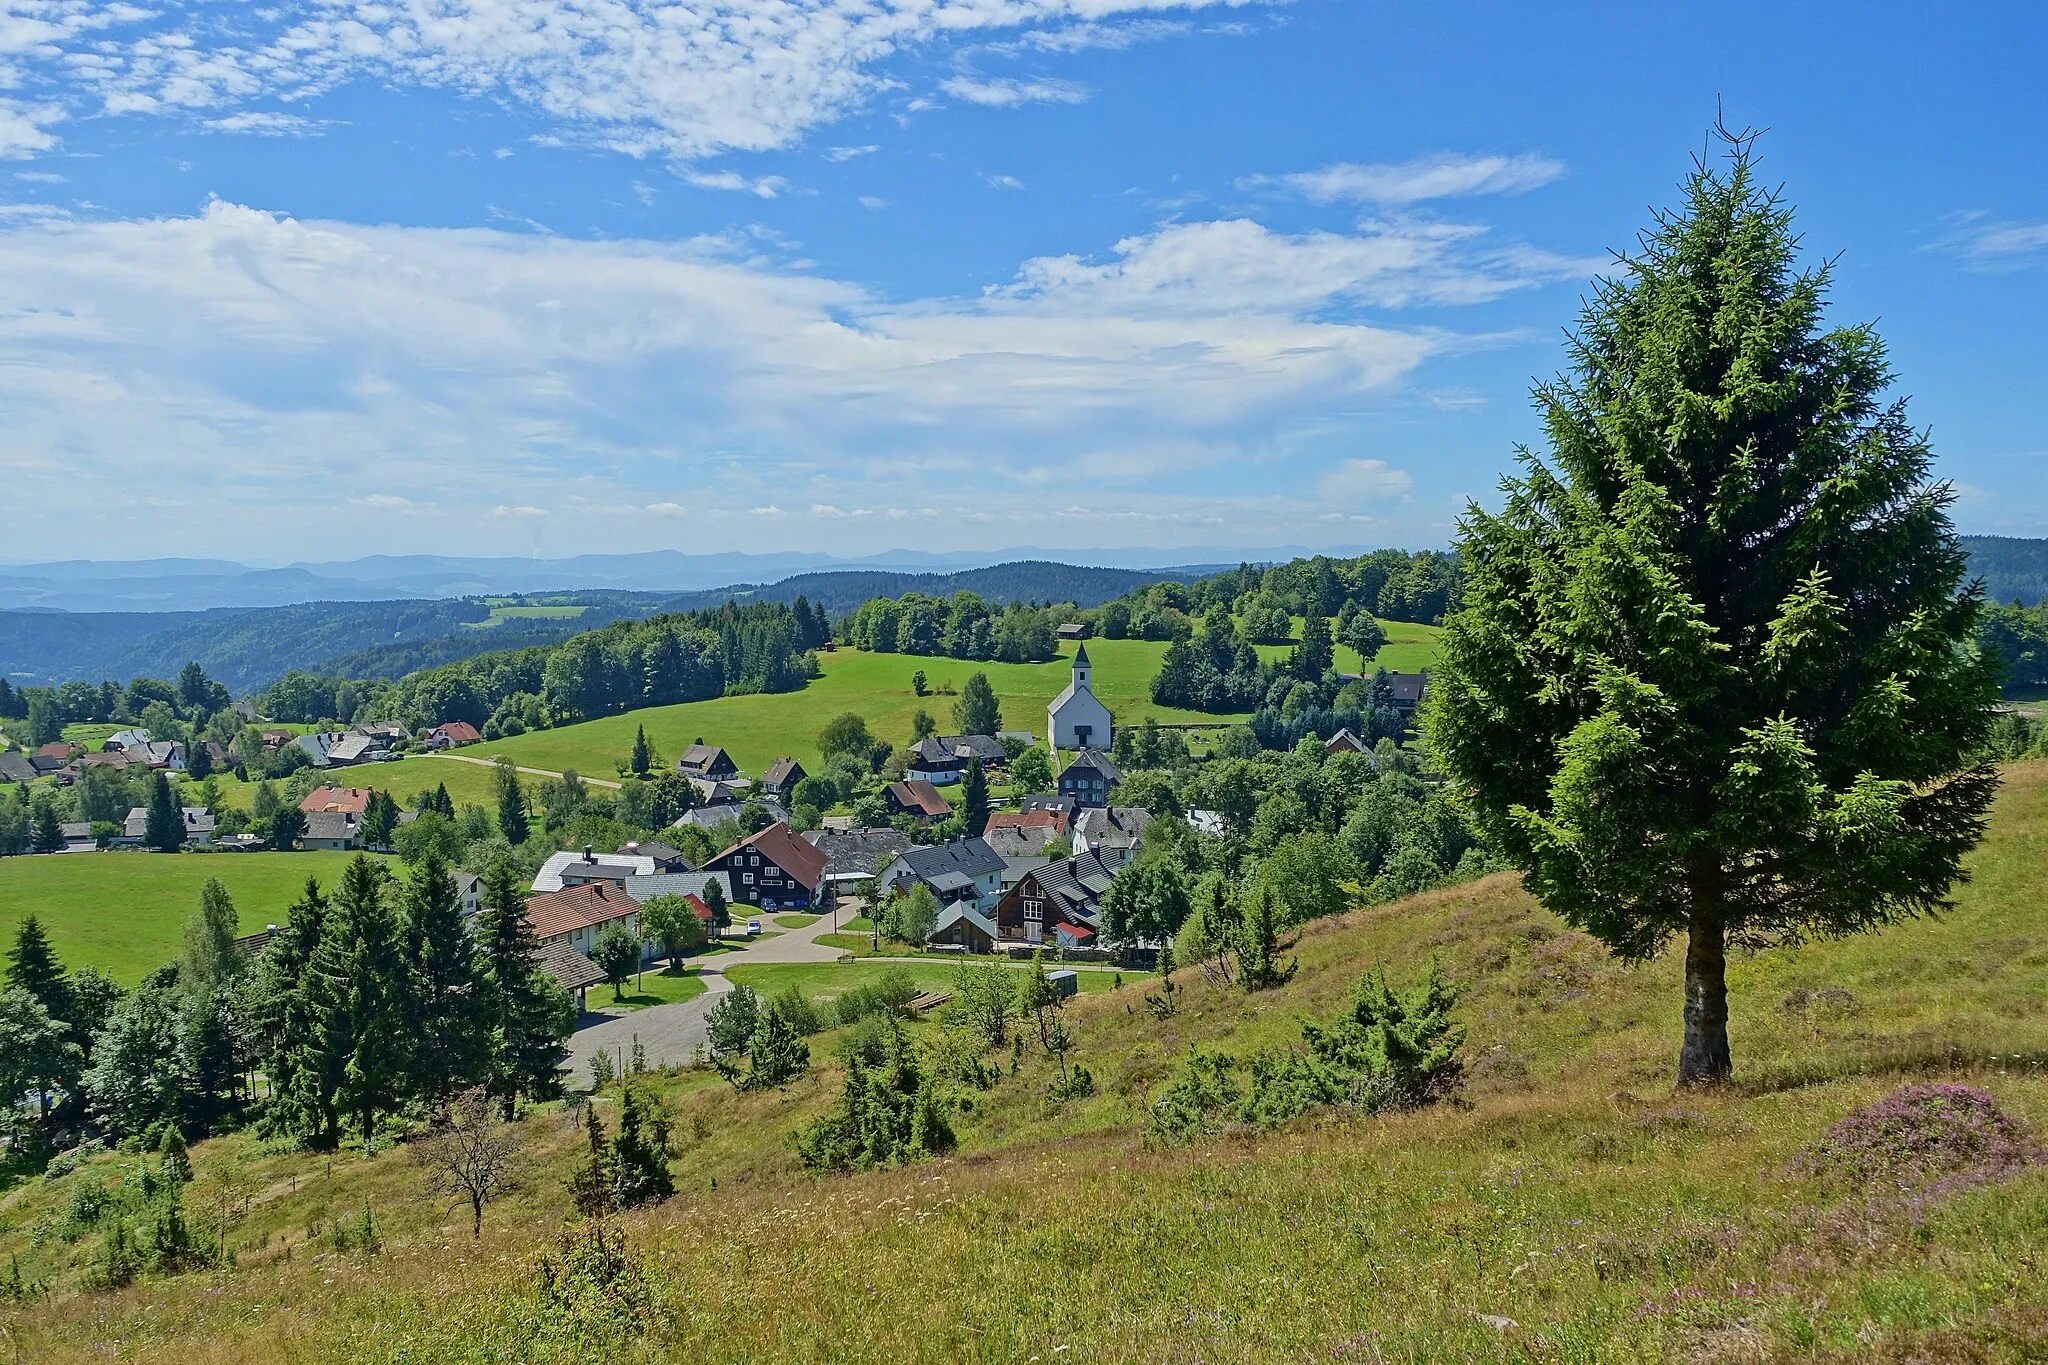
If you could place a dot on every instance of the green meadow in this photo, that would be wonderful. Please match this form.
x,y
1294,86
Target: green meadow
x,y
125,912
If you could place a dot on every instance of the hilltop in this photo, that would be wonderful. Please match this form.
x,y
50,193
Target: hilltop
x,y
1567,1203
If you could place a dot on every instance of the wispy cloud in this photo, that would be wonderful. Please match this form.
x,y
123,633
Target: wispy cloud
x,y
1005,92
1446,176
1986,243
267,125
1002,182
849,153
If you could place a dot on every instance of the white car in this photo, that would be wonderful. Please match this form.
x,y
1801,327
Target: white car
x,y
753,928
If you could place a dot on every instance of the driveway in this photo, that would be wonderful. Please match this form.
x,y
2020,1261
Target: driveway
x,y
670,1033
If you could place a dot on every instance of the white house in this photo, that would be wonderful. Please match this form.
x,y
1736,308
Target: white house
x,y
1076,720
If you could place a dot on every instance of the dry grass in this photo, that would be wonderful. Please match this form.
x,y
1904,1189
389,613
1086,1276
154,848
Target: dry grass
x,y
1570,1207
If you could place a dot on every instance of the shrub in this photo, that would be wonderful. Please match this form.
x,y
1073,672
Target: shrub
x,y
798,1010
885,997
1953,1136
888,1114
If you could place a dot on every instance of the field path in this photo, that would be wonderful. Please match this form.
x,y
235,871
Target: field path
x,y
535,772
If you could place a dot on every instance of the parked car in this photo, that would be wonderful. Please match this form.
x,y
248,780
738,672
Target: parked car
x,y
753,928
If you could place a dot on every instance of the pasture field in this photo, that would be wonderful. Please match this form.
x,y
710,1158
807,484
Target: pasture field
x,y
758,729
125,912
1568,1206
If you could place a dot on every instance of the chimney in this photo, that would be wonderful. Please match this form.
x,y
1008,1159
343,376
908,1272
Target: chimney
x,y
588,856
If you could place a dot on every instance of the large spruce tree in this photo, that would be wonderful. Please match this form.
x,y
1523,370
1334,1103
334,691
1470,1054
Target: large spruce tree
x,y
163,826
303,1078
530,1014
1714,676
446,1007
360,1006
33,966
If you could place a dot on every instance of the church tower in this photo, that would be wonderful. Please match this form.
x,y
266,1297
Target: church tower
x,y
1076,719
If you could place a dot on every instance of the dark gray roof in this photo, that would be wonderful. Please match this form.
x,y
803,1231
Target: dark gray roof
x,y
332,824
702,756
861,852
962,910
782,772
16,768
969,857
1089,759
1077,883
987,748
677,884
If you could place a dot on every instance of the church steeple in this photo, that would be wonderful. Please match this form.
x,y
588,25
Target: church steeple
x,y
1081,669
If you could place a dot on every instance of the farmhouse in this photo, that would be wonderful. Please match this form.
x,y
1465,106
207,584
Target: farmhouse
x,y
452,735
773,869
1344,742
1086,780
576,869
960,925
334,831
1060,901
15,768
353,800
854,855
707,760
941,759
916,798
198,821
782,777
576,915
1116,831
964,870
1076,720
689,885
667,857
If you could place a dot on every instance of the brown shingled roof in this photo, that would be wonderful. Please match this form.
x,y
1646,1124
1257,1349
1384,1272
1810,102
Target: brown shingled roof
x,y
554,913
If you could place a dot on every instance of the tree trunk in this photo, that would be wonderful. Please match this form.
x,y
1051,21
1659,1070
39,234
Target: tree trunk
x,y
1704,1058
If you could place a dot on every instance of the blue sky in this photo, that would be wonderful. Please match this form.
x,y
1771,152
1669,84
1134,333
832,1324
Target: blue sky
x,y
481,276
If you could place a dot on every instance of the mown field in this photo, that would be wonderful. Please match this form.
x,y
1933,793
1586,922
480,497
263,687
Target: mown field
x,y
757,730
1569,1207
125,912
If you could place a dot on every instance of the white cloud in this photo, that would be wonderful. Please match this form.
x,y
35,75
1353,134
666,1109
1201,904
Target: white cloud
x,y
849,153
1002,182
761,187
387,502
40,177
1365,481
1433,177
266,124
684,78
1006,92
495,377
874,202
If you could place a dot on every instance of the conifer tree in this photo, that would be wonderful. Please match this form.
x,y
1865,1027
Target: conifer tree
x,y
303,1077
778,1054
1317,653
1714,675
33,966
714,901
47,833
978,712
643,752
512,821
593,1187
359,1003
174,1163
974,799
529,1013
640,1151
446,1004
443,802
163,828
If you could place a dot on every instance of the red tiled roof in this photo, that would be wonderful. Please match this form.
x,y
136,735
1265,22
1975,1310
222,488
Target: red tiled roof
x,y
458,732
351,800
1055,820
554,913
779,844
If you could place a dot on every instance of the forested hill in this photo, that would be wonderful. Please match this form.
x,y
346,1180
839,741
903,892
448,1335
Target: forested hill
x,y
249,647
2013,570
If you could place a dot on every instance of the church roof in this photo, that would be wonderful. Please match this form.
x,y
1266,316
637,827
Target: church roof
x,y
1081,655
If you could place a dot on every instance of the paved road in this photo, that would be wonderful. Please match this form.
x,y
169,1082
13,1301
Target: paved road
x,y
671,1033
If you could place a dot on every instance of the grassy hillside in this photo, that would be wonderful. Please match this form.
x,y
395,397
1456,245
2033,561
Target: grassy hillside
x,y
1569,1206
757,730
125,912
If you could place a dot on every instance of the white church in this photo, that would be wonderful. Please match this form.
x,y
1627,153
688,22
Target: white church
x,y
1076,720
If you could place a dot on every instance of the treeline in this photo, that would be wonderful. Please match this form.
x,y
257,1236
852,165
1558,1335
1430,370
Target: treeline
x,y
193,707
2018,637
1422,587
723,651
962,626
2013,569
367,1008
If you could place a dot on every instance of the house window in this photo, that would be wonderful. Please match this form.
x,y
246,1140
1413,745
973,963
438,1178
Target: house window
x,y
1034,910
747,877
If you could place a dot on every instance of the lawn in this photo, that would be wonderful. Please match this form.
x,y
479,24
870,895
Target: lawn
x,y
468,783
125,912
501,614
651,988
825,980
1410,648
796,921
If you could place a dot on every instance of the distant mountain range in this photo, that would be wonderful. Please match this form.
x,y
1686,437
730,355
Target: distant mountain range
x,y
200,584
246,647
384,617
